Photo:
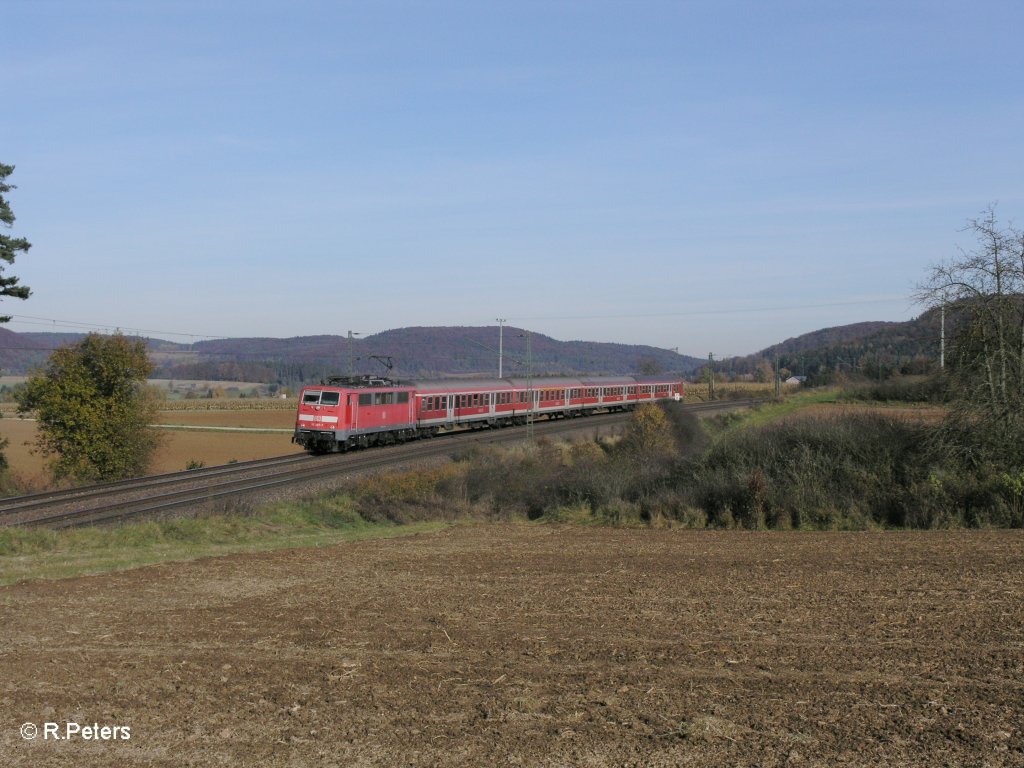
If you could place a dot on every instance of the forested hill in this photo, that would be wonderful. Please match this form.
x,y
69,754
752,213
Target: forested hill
x,y
414,352
441,351
20,352
869,349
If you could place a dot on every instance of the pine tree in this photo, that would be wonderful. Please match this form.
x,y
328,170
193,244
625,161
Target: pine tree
x,y
10,247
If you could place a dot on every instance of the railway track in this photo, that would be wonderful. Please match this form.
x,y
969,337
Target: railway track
x,y
158,495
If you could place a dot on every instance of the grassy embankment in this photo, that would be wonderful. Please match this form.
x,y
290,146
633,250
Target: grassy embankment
x,y
44,554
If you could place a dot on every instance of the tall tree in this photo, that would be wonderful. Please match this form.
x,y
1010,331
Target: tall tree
x,y
94,410
986,285
10,247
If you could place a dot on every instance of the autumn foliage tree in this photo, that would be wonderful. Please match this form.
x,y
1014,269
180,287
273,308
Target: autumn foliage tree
x,y
94,410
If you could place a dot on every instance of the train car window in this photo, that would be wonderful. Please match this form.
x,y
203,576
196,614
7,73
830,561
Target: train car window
x,y
330,398
311,398
403,397
366,399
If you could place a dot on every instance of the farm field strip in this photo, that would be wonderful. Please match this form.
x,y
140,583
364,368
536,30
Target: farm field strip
x,y
536,644
211,428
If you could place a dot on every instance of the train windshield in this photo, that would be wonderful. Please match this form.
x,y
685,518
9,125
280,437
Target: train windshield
x,y
316,397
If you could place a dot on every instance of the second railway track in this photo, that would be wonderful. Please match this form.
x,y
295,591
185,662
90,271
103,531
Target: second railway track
x,y
161,494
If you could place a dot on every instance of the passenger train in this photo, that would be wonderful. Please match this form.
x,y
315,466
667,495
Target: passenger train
x,y
358,412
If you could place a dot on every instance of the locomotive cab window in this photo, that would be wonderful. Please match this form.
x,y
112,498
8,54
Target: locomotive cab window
x,y
330,398
311,398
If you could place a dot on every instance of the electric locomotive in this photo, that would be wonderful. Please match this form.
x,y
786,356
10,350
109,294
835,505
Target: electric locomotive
x,y
357,412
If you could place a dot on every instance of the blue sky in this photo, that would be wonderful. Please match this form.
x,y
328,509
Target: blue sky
x,y
712,176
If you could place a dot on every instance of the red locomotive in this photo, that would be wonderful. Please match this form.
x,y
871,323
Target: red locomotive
x,y
359,412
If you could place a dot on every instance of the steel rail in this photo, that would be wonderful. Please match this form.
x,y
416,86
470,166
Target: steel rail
x,y
18,504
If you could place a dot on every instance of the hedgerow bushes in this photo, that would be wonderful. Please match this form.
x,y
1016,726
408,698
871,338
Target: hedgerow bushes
x,y
916,389
847,471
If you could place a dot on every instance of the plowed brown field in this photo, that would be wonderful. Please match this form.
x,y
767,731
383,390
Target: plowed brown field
x,y
534,645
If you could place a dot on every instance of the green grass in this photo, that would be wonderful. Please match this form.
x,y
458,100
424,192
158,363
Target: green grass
x,y
770,412
28,554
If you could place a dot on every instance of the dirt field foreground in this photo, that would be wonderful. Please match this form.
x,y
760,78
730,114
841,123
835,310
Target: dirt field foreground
x,y
495,645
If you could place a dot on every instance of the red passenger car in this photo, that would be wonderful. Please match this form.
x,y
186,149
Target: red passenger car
x,y
349,413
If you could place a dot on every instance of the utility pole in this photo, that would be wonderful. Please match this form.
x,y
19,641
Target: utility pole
x,y
351,360
711,376
778,377
501,334
529,383
942,337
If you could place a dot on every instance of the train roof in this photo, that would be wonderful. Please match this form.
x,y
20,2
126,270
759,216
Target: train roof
x,y
458,385
470,385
